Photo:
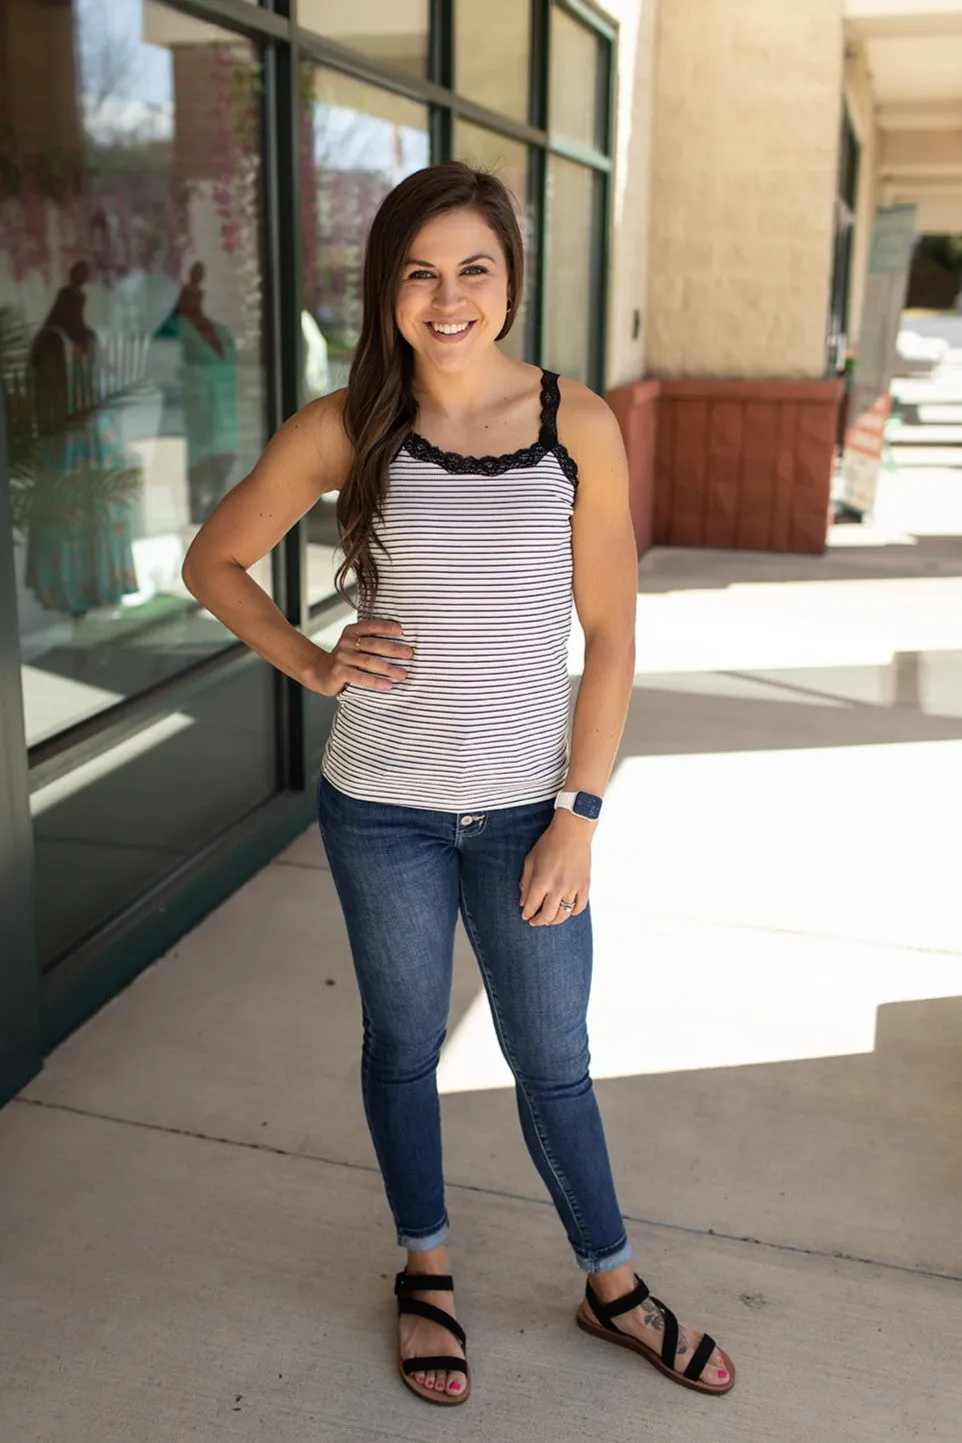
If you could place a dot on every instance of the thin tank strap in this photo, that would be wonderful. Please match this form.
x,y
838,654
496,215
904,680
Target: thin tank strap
x,y
550,400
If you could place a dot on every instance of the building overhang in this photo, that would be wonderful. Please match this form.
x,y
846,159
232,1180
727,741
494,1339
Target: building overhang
x,y
912,51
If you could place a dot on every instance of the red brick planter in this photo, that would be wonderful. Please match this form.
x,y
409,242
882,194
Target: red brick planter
x,y
729,464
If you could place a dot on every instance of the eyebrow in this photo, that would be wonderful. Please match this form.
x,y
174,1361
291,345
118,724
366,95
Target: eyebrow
x,y
481,256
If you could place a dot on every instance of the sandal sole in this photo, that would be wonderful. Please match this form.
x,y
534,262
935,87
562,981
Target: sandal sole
x,y
429,1395
635,1345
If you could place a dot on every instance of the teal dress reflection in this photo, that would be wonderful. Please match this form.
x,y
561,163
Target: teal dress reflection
x,y
79,544
209,378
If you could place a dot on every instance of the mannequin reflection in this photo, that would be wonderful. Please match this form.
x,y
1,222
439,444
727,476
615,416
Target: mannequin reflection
x,y
79,546
209,377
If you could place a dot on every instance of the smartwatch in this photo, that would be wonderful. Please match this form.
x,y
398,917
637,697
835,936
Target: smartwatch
x,y
583,804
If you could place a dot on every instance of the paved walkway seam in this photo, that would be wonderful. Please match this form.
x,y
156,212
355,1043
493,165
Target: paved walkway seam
x,y
837,1256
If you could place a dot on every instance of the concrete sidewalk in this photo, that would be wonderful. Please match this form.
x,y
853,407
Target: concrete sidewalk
x,y
194,1240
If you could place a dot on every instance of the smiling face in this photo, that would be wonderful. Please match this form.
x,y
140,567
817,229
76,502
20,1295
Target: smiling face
x,y
453,293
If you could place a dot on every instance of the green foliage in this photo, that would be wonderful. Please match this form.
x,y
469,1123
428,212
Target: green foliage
x,y
943,251
57,172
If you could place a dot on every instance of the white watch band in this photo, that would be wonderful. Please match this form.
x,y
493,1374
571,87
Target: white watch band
x,y
565,799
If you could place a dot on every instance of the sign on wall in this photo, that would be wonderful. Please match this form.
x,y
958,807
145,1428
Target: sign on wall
x,y
869,402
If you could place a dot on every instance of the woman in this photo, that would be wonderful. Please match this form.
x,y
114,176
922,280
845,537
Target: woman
x,y
476,496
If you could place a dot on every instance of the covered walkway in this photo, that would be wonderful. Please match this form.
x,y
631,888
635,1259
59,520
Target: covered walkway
x,y
194,1242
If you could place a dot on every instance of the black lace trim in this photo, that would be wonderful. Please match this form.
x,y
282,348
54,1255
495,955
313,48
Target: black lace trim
x,y
546,444
422,450
550,401
567,462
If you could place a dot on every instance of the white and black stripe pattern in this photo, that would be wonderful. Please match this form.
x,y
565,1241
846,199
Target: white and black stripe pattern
x,y
479,573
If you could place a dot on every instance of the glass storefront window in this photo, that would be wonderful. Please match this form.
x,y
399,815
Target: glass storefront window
x,y
141,807
137,370
134,374
392,32
130,334
492,54
509,160
569,317
573,97
357,143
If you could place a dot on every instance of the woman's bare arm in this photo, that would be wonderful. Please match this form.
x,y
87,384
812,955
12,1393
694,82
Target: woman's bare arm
x,y
309,455
605,586
605,589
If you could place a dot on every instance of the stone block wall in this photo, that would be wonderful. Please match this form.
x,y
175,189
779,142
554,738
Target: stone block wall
x,y
748,98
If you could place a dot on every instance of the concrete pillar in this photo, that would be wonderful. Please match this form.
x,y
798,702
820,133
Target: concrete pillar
x,y
860,99
731,442
631,209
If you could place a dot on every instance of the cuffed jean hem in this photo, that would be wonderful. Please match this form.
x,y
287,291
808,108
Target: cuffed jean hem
x,y
606,1262
426,1243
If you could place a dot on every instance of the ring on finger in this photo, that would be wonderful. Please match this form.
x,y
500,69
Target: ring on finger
x,y
567,906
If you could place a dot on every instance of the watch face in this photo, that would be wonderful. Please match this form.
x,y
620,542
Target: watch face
x,y
587,805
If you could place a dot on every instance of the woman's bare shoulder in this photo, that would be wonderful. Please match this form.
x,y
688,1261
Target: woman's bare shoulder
x,y
310,449
314,442
585,420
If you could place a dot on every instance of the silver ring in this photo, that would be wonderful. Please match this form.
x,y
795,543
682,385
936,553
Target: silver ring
x,y
568,906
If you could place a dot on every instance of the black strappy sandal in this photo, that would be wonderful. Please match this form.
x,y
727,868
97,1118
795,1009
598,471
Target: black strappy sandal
x,y
605,1328
404,1285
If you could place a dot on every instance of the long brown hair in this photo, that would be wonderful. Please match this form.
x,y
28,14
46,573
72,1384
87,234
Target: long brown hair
x,y
380,409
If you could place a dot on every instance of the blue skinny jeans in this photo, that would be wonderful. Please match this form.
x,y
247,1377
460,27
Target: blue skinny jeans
x,y
402,875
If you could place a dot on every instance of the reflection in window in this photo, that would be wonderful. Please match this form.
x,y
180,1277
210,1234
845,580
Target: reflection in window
x,y
394,33
509,160
357,143
130,334
115,824
573,92
568,318
492,54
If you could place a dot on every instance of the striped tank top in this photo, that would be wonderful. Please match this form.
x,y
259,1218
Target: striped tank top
x,y
478,571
